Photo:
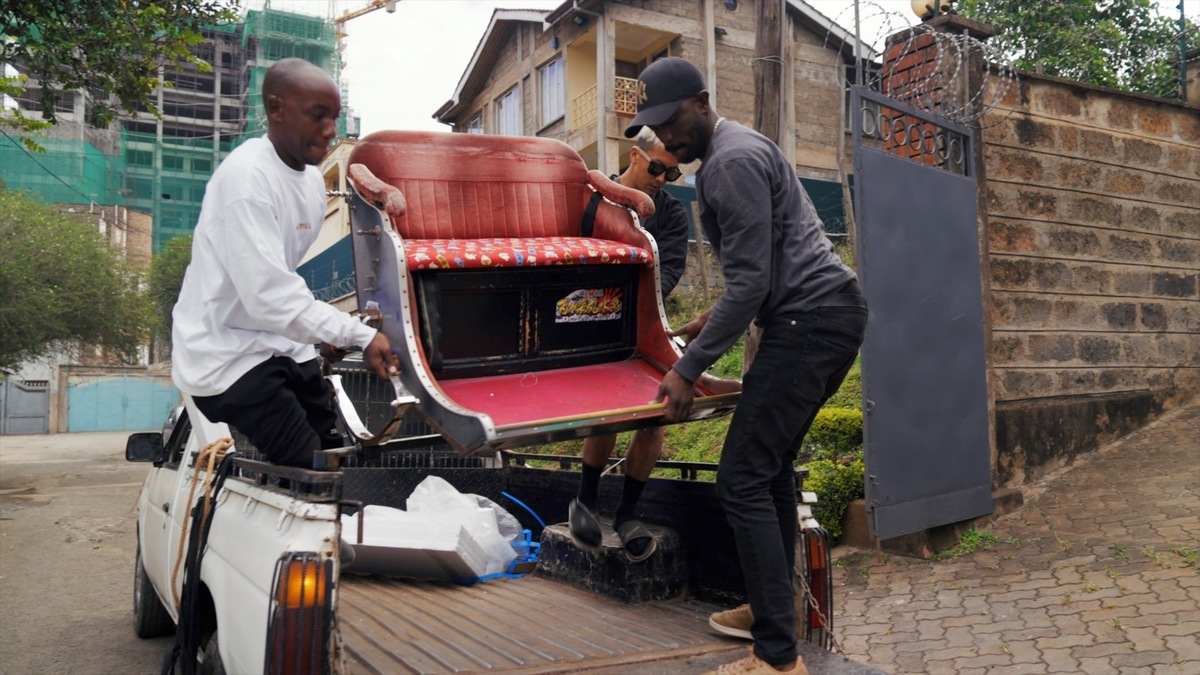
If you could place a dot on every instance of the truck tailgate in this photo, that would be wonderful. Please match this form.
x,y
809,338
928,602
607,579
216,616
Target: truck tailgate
x,y
526,625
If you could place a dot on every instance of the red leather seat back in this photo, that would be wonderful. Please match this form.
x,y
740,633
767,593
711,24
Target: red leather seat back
x,y
469,186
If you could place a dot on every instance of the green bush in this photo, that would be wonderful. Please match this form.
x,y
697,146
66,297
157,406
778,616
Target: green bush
x,y
836,486
849,395
836,434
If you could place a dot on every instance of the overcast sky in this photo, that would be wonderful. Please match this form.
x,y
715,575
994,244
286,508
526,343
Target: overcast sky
x,y
403,66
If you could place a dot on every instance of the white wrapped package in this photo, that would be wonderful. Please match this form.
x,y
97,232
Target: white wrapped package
x,y
440,501
444,534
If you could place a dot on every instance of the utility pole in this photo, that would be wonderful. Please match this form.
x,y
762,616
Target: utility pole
x,y
768,120
768,70
1183,92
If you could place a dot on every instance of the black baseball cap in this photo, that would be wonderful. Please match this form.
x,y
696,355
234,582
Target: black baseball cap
x,y
662,86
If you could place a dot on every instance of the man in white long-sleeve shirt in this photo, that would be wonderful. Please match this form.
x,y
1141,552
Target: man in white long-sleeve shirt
x,y
246,324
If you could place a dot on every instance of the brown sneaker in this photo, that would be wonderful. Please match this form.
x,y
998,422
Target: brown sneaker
x,y
752,665
734,622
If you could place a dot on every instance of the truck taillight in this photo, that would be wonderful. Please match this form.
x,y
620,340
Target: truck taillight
x,y
818,579
298,633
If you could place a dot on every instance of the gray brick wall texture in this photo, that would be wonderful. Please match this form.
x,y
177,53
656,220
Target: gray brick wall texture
x,y
1093,205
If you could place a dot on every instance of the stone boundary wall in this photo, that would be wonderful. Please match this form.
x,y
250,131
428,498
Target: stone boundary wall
x,y
1093,242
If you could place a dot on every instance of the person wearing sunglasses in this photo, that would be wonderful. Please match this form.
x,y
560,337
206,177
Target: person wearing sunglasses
x,y
650,168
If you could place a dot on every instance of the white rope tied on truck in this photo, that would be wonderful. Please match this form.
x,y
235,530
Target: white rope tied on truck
x,y
207,459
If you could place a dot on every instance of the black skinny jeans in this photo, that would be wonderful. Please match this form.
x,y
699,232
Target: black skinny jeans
x,y
801,361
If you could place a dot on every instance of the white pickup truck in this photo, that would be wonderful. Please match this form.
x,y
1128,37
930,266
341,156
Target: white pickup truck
x,y
274,593
267,576
277,592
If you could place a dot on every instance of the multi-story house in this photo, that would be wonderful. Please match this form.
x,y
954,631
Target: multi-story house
x,y
570,74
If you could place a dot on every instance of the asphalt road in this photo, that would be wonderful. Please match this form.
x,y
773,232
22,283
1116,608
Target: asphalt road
x,y
67,521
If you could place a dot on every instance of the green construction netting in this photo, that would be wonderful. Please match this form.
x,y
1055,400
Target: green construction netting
x,y
173,194
69,171
168,180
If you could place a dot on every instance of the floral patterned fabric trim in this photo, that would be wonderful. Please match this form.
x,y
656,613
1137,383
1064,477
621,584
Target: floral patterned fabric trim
x,y
425,254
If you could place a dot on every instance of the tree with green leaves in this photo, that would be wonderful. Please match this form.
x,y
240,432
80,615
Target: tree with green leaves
x,y
106,47
1124,44
63,286
166,277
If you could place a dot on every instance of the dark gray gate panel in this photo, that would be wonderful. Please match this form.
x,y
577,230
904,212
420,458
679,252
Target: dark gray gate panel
x,y
926,423
24,406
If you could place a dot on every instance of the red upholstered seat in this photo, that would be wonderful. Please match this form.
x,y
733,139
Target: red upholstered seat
x,y
464,201
469,186
493,269
423,254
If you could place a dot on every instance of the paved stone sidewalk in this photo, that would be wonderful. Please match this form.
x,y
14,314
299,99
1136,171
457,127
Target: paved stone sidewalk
x,y
1097,573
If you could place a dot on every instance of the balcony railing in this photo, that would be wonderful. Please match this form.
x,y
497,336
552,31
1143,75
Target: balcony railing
x,y
625,97
625,100
583,108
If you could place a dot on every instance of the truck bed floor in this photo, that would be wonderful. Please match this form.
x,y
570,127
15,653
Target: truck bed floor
x,y
526,625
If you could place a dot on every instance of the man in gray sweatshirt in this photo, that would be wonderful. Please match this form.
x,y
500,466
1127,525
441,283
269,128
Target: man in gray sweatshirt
x,y
781,272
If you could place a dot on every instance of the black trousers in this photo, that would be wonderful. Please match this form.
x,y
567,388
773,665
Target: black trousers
x,y
801,361
285,409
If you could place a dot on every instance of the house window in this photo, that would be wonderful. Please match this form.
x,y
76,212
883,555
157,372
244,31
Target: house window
x,y
508,114
553,93
475,126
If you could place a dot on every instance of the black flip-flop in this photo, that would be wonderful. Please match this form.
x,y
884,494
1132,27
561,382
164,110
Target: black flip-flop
x,y
631,531
584,525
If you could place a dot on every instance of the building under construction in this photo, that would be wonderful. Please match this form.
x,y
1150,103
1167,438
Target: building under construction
x,y
160,165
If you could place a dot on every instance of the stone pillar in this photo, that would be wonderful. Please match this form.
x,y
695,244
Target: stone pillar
x,y
938,67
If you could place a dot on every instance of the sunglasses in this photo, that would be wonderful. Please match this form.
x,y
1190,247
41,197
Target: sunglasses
x,y
656,168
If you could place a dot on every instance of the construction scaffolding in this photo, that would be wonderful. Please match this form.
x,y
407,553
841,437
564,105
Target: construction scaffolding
x,y
271,36
161,164
167,178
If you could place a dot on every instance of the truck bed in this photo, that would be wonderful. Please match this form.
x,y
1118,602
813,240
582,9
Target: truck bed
x,y
535,625
525,625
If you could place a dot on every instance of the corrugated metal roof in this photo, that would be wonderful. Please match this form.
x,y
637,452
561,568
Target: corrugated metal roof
x,y
526,625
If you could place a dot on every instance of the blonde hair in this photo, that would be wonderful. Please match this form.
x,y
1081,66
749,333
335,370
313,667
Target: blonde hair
x,y
647,140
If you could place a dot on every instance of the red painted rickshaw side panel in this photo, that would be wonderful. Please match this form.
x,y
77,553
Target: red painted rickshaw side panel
x,y
527,397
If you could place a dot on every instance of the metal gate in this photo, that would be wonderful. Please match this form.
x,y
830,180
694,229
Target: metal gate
x,y
925,399
118,402
24,406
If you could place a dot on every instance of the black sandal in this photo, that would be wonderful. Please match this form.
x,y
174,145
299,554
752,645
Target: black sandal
x,y
585,526
631,531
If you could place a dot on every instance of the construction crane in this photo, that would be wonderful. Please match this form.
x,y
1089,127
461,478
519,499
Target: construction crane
x,y
339,25
389,5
